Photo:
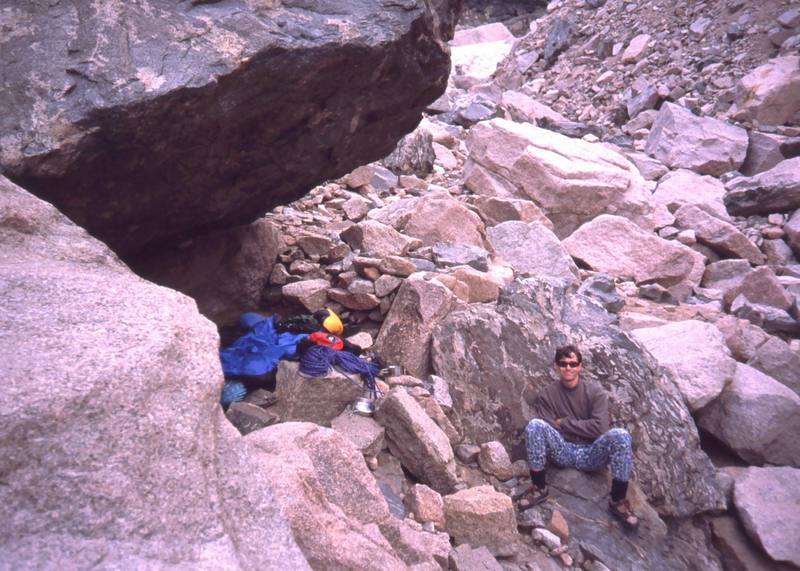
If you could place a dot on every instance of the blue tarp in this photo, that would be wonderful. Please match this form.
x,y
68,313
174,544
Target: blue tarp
x,y
257,352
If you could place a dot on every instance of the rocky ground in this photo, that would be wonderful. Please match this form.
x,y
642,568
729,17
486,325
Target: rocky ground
x,y
623,176
645,162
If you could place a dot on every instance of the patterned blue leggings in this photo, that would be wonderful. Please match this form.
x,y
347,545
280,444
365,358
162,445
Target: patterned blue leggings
x,y
544,442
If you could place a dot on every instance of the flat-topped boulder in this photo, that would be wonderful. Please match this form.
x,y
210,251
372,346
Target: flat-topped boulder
x,y
617,246
571,180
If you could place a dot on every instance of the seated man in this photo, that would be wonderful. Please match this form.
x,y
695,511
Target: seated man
x,y
571,428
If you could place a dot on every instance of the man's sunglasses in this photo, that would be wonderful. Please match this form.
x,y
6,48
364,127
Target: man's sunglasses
x,y
570,364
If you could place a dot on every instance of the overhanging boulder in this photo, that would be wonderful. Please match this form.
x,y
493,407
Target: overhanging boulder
x,y
154,121
491,354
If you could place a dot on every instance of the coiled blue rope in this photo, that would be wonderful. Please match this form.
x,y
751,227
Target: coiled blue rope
x,y
318,360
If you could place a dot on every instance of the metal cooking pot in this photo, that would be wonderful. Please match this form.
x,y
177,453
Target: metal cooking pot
x,y
363,406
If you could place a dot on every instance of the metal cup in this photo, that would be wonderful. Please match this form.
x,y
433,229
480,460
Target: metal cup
x,y
363,406
393,371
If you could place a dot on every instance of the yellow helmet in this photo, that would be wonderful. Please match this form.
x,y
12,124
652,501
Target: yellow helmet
x,y
332,323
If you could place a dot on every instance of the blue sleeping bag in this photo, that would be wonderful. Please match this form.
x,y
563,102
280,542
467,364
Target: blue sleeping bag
x,y
257,352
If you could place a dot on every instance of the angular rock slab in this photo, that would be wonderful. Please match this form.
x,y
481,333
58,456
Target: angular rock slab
x,y
330,498
720,236
582,498
696,354
466,558
764,152
768,503
491,354
377,240
725,274
761,286
680,139
139,121
736,549
776,190
571,180
776,359
414,439
617,246
434,217
364,432
682,186
533,250
494,210
426,504
310,294
484,287
770,94
757,417
792,229
113,446
477,52
404,338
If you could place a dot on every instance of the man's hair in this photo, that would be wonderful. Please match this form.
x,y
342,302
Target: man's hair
x,y
566,351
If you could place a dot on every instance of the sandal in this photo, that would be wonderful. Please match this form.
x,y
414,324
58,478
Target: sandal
x,y
533,496
623,511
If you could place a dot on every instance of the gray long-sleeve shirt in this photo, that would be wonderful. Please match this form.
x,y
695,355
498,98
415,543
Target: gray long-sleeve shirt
x,y
584,410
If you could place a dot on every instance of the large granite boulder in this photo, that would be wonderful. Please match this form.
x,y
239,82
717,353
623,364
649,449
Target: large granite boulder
x,y
493,210
762,286
792,229
766,500
478,51
481,516
571,180
491,355
113,446
722,237
371,238
757,417
155,121
313,399
775,358
682,186
736,550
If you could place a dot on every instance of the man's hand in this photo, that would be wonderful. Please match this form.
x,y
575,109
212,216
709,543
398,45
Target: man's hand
x,y
557,422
